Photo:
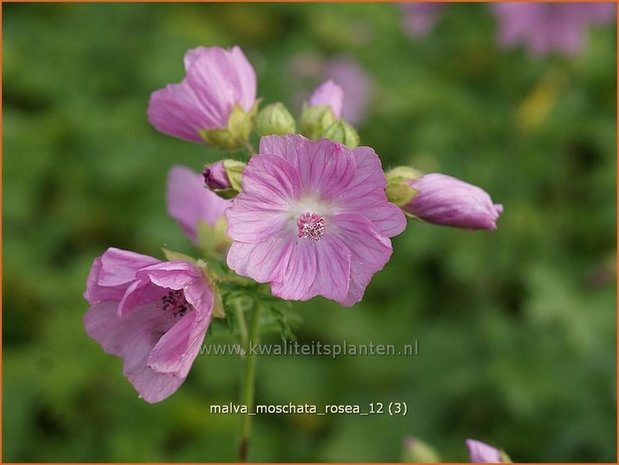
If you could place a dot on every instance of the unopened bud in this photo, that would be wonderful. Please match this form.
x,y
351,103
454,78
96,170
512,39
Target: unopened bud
x,y
224,177
275,119
341,131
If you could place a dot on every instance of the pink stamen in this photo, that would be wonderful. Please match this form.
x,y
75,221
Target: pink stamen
x,y
311,226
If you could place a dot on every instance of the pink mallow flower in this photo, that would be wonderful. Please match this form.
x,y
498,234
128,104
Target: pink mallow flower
x,y
313,219
189,202
152,314
443,200
483,453
550,27
217,80
330,94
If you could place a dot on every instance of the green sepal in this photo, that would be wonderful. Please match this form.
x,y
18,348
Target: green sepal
x,y
213,240
171,255
342,132
316,119
398,190
236,135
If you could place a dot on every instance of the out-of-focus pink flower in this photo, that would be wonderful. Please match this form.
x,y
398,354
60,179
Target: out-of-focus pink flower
x,y
483,453
189,202
217,80
343,70
447,201
330,94
313,219
549,27
152,314
421,17
357,86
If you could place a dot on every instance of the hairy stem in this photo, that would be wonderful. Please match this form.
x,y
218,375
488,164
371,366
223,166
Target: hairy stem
x,y
247,392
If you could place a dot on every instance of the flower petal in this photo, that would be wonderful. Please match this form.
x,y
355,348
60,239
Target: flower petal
x,y
366,195
132,338
370,251
112,273
272,179
189,202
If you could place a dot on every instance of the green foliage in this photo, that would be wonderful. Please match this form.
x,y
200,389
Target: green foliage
x,y
516,328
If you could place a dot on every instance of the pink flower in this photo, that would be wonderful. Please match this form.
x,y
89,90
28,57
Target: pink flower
x,y
357,84
189,202
217,81
550,27
483,453
448,201
330,94
152,314
313,219
421,17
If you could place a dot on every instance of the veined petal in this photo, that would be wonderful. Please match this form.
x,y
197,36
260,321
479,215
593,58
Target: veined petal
x,y
370,251
254,221
175,352
132,338
112,273
263,262
272,179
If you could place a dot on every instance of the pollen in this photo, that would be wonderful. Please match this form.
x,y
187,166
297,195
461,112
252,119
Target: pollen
x,y
311,226
174,304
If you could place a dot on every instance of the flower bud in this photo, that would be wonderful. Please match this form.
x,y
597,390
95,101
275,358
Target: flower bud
x,y
330,94
316,119
275,119
483,453
341,131
224,177
418,451
447,201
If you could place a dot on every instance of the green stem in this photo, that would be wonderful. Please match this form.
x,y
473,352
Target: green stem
x,y
248,388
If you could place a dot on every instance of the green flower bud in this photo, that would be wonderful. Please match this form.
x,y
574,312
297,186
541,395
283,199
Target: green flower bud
x,y
236,135
316,119
341,131
275,119
399,179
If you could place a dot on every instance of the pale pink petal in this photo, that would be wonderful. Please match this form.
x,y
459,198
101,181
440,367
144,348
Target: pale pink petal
x,y
370,251
297,278
272,179
482,453
112,273
263,262
247,78
132,338
189,202
177,349
333,262
253,221
323,166
175,111
366,195
329,94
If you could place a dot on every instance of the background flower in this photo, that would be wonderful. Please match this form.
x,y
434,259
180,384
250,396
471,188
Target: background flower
x,y
550,27
189,201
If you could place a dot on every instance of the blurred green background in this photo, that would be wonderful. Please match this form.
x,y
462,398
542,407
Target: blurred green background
x,y
516,327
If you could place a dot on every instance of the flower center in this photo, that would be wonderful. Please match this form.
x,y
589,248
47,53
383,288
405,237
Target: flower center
x,y
174,304
311,226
